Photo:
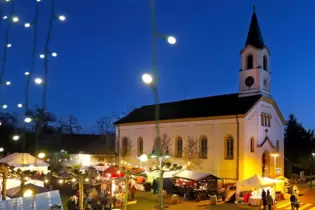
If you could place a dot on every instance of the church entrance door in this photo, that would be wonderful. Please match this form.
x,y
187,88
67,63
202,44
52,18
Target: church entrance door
x,y
266,164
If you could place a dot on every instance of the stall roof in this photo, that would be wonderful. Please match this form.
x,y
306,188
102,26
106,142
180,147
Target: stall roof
x,y
193,175
22,160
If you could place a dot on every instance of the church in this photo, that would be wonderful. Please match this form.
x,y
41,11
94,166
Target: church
x,y
232,136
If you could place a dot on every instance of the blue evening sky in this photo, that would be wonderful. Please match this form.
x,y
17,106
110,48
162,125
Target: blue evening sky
x,y
105,46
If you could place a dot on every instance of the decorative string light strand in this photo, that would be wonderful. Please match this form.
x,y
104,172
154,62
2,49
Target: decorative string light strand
x,y
4,58
34,55
50,24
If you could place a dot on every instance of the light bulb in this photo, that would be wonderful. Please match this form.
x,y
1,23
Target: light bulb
x,y
27,25
15,19
38,0
42,56
16,137
9,45
5,17
7,83
27,73
4,106
171,40
7,0
62,18
54,54
28,120
38,80
20,105
147,79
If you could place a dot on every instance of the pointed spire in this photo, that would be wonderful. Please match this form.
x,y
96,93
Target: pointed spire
x,y
254,36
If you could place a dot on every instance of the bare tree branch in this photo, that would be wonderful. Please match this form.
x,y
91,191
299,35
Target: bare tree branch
x,y
191,154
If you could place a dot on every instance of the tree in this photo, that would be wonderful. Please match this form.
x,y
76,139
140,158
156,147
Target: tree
x,y
166,143
71,125
191,154
298,142
105,127
4,167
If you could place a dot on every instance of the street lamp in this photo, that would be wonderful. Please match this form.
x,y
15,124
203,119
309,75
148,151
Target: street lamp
x,y
275,155
16,137
1,149
41,155
143,158
312,163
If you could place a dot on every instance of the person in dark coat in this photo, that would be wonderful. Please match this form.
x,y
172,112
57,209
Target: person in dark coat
x,y
264,198
71,204
154,185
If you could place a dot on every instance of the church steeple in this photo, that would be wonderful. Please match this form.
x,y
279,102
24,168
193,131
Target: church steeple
x,y
254,36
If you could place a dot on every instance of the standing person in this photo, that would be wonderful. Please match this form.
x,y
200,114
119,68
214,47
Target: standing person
x,y
132,192
264,198
293,201
269,200
154,185
109,202
71,204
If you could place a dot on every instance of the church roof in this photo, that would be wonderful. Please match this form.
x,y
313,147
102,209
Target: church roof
x,y
254,36
221,105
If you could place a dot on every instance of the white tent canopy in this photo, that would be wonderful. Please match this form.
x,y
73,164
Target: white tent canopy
x,y
25,161
256,182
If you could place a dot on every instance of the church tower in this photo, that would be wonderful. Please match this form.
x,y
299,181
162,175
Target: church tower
x,y
255,75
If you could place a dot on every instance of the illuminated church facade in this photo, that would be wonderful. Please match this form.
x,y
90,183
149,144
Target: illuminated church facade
x,y
237,135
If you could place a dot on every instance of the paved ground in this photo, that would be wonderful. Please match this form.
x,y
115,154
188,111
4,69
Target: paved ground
x,y
146,201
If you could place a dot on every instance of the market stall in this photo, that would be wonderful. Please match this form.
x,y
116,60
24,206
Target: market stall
x,y
250,190
196,185
25,162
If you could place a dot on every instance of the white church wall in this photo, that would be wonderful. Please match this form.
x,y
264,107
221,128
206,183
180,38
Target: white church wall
x,y
214,130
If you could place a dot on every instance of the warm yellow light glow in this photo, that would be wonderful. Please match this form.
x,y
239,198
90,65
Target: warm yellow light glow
x,y
147,78
28,193
73,180
171,40
46,181
144,158
41,155
98,177
16,137
86,179
60,181
1,149
274,154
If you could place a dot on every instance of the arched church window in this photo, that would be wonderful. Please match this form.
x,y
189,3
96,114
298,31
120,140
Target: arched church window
x,y
203,147
140,146
262,119
269,120
125,142
179,147
250,61
252,144
229,148
266,119
278,146
265,63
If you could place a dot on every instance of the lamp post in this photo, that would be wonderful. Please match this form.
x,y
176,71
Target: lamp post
x,y
312,163
157,151
275,155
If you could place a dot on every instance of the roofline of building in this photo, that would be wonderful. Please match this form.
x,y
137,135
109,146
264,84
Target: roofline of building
x,y
225,117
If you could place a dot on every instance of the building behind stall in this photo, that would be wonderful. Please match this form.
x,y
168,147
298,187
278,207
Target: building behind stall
x,y
236,133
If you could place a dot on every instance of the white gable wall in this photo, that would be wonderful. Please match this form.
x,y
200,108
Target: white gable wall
x,y
214,130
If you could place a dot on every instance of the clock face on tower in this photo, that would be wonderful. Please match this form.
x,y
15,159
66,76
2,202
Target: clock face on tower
x,y
249,81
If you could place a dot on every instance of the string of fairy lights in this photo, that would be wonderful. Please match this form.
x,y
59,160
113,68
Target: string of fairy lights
x,y
13,19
